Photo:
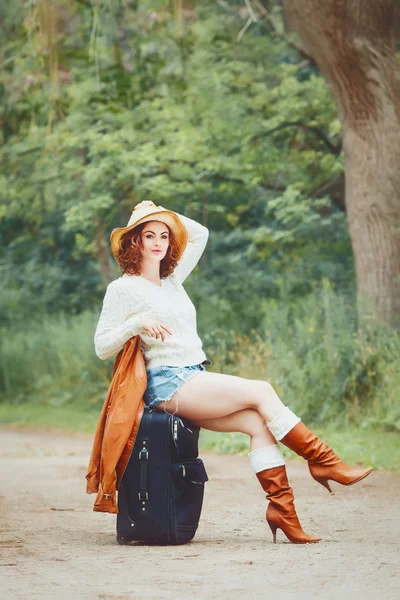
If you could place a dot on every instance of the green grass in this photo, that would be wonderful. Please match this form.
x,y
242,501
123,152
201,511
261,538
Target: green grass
x,y
375,448
67,418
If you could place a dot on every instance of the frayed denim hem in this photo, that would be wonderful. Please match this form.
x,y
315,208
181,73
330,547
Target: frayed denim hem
x,y
158,400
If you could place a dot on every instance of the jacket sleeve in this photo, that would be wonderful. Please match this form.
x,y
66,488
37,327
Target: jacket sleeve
x,y
117,323
197,241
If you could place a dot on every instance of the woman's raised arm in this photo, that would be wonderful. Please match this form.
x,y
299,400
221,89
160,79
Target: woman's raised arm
x,y
198,236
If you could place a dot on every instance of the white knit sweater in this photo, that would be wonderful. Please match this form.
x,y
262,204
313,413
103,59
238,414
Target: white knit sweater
x,y
131,297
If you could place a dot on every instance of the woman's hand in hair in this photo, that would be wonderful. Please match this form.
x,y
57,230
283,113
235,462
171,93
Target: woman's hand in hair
x,y
155,328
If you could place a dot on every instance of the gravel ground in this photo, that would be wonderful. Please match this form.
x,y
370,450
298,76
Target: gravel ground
x,y
54,546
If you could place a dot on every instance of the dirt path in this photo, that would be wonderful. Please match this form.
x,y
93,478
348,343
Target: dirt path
x,y
54,546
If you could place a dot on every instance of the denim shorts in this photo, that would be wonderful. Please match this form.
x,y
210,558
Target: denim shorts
x,y
163,381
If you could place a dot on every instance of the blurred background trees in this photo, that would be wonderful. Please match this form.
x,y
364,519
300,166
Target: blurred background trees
x,y
215,110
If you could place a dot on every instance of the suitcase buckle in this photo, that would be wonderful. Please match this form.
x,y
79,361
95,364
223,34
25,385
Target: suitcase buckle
x,y
141,497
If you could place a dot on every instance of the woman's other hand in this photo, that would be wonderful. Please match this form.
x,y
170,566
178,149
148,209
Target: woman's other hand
x,y
155,328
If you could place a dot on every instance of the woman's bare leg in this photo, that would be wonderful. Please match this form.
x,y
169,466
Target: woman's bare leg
x,y
214,395
247,421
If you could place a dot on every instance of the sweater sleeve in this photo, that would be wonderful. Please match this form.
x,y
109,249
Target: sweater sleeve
x,y
197,241
117,323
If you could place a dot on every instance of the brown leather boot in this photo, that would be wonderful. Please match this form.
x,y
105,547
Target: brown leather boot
x,y
281,512
323,463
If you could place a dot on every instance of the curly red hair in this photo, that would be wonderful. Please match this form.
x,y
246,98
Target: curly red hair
x,y
129,256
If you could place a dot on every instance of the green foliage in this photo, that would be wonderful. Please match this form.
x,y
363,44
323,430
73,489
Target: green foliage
x,y
126,104
53,362
123,106
309,349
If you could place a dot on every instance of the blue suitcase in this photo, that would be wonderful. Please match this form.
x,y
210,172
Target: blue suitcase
x,y
160,496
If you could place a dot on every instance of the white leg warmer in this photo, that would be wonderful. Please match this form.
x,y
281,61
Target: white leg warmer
x,y
266,458
283,423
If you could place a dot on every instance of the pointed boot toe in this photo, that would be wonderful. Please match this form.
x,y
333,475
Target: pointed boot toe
x,y
323,463
289,524
337,471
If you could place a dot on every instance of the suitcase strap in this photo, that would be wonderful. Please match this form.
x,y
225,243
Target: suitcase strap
x,y
143,491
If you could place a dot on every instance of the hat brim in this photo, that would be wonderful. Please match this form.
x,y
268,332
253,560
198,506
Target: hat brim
x,y
165,216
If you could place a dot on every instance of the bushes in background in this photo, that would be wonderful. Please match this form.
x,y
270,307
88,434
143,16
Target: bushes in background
x,y
309,349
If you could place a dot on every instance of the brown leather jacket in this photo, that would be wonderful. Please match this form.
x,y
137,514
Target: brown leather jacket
x,y
117,427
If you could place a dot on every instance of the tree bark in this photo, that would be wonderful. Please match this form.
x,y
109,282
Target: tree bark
x,y
353,43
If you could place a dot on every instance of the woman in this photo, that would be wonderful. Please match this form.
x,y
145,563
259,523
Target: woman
x,y
156,252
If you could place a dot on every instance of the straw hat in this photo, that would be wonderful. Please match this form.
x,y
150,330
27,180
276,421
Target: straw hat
x,y
151,212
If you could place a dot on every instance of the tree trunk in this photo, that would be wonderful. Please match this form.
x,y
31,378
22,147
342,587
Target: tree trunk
x,y
354,42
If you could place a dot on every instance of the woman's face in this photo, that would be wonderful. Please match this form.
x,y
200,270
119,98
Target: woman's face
x,y
155,241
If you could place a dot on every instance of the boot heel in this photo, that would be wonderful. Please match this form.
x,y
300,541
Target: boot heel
x,y
273,528
325,483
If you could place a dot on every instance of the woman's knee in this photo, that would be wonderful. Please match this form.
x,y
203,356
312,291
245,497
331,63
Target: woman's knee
x,y
260,392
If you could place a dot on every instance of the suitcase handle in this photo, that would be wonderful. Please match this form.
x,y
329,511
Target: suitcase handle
x,y
185,436
143,493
